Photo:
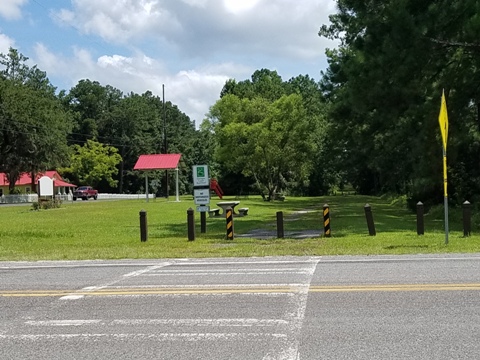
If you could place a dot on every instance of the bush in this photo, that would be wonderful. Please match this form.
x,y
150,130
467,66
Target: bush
x,y
47,204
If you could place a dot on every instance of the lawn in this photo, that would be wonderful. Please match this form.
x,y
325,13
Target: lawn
x,y
111,230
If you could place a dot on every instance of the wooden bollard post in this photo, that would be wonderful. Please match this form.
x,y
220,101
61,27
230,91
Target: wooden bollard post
x,y
370,223
280,232
229,219
467,218
326,221
143,226
191,224
420,220
203,222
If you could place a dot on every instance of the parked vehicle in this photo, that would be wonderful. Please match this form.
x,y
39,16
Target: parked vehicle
x,y
85,193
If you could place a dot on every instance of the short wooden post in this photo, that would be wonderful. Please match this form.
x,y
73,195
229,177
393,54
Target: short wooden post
x,y
191,224
467,218
280,232
229,219
143,226
420,220
326,221
370,223
203,222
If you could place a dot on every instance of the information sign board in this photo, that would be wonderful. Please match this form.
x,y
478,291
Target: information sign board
x,y
201,196
45,185
200,175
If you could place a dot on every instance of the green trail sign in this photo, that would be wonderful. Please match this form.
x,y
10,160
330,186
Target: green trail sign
x,y
200,176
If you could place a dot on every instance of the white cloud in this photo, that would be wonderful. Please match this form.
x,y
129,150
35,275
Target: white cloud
x,y
193,90
10,9
204,28
5,43
235,6
117,21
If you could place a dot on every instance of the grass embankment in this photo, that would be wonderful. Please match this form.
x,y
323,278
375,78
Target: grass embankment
x,y
110,230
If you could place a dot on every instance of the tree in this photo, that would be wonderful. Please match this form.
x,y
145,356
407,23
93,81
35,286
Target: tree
x,y
14,65
268,85
269,141
16,70
137,126
33,125
91,105
264,83
384,84
93,163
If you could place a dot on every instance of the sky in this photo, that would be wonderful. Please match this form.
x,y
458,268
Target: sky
x,y
191,47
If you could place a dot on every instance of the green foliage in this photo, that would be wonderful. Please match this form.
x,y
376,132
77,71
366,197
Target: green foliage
x,y
262,124
35,206
92,163
268,141
384,83
46,204
33,126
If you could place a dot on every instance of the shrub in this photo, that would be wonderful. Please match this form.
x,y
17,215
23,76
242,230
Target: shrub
x,y
47,204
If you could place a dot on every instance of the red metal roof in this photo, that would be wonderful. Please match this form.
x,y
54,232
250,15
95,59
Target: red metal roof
x,y
157,162
62,183
26,179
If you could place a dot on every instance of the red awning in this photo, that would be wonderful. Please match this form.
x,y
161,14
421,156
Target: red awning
x,y
157,162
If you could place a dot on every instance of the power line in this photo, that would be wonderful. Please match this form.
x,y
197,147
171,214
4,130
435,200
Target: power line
x,y
45,128
15,131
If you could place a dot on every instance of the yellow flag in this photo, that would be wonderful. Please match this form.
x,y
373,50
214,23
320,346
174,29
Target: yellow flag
x,y
443,120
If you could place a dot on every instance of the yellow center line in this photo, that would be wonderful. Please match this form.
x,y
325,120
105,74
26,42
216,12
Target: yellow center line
x,y
396,287
241,290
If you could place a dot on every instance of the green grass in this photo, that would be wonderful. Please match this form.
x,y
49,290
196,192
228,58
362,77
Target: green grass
x,y
110,230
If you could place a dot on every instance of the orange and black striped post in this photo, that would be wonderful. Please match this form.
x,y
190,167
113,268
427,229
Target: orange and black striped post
x,y
326,221
229,217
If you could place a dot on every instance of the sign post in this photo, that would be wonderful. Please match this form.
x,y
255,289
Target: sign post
x,y
201,192
443,120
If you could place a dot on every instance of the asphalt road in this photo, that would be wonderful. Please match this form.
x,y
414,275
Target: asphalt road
x,y
419,307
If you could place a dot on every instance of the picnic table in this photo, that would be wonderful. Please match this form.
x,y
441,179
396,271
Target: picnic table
x,y
228,204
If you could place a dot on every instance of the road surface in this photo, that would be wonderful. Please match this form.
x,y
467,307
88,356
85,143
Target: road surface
x,y
376,307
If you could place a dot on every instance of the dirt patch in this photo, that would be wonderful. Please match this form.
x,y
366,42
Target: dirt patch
x,y
296,234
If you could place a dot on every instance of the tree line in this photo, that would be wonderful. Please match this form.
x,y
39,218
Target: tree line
x,y
264,135
92,134
384,84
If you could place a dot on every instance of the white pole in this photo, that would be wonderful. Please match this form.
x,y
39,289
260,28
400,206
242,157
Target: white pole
x,y
146,186
176,184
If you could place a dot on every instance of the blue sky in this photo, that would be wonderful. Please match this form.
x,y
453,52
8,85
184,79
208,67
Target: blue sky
x,y
190,46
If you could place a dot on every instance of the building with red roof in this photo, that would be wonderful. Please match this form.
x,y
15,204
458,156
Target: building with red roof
x,y
24,184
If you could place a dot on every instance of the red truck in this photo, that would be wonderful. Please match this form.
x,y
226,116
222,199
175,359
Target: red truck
x,y
85,193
